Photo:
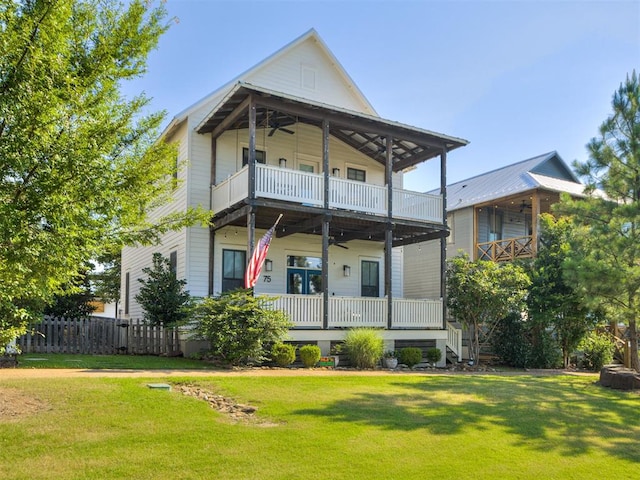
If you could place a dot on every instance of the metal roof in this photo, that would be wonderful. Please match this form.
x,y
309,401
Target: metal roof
x,y
512,180
365,133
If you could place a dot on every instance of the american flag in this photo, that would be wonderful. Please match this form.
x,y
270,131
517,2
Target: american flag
x,y
257,258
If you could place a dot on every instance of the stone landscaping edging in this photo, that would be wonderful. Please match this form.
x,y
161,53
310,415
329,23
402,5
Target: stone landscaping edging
x,y
620,378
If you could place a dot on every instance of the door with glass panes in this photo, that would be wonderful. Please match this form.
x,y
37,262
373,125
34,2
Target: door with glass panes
x,y
304,275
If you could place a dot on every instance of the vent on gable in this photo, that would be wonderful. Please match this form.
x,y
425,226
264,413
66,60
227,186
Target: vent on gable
x,y
308,77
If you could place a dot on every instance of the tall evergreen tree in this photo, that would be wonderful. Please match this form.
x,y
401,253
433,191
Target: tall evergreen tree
x,y
553,303
605,259
80,164
162,295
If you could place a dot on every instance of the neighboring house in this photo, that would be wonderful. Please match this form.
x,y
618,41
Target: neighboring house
x,y
493,216
295,136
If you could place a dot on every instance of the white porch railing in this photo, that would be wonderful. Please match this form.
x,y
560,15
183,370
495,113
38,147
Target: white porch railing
x,y
307,188
454,340
305,311
359,196
409,313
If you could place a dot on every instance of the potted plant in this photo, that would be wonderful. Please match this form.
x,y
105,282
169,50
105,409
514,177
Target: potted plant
x,y
390,359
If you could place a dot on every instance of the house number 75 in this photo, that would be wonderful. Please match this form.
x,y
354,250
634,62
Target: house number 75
x,y
266,278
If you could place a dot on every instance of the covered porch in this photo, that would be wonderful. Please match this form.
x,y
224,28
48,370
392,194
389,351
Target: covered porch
x,y
507,229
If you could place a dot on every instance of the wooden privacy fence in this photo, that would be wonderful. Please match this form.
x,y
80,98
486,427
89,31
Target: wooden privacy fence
x,y
98,336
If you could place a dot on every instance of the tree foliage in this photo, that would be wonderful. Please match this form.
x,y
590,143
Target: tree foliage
x,y
162,296
481,293
605,256
80,163
74,301
554,303
239,326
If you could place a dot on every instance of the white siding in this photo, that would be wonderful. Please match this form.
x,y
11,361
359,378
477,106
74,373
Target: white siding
x,y
304,144
422,270
309,245
285,74
134,259
462,233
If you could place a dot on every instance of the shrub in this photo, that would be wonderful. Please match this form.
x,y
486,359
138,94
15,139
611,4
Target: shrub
x,y
410,356
310,355
434,355
598,350
364,346
239,326
283,354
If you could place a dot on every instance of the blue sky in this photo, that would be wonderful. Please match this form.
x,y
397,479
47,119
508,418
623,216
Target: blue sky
x,y
515,78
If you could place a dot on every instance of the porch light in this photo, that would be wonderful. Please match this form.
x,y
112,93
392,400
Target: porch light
x,y
282,162
336,172
346,269
268,265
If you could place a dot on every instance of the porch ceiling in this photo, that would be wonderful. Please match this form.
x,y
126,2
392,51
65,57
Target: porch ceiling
x,y
365,133
343,226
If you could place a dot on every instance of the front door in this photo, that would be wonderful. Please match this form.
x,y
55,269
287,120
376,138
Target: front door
x,y
304,281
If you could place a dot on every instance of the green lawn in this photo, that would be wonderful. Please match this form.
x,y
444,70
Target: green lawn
x,y
136,362
342,427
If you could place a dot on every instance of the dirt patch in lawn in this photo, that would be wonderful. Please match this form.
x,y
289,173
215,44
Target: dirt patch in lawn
x,y
15,405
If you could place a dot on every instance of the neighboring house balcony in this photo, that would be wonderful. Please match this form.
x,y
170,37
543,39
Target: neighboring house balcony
x,y
507,249
508,229
308,189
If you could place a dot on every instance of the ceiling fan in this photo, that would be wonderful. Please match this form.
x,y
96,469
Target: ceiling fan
x,y
524,205
275,125
333,241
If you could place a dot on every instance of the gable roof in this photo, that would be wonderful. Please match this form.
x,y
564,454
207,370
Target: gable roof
x,y
547,171
311,34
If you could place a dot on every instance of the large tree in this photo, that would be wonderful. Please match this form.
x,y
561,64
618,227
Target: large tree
x,y
79,162
480,294
605,258
554,303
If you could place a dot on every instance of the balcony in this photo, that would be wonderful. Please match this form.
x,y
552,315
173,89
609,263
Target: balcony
x,y
507,250
305,311
307,189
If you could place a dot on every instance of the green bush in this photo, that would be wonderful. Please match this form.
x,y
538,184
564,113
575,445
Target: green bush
x,y
598,350
434,355
309,355
239,326
364,347
410,356
283,354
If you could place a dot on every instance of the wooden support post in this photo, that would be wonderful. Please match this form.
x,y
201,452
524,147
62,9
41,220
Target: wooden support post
x,y
325,226
388,233
252,149
443,239
325,272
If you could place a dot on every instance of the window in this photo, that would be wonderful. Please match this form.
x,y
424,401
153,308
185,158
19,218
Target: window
x,y
370,280
356,174
233,266
495,226
261,156
173,262
126,294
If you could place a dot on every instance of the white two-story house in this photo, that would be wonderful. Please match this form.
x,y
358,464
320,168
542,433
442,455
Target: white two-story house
x,y
295,136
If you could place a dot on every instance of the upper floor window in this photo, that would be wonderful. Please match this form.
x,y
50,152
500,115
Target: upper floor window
x,y
261,156
356,174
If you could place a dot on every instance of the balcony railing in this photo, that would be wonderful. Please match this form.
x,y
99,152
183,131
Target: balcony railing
x,y
307,188
507,250
305,311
